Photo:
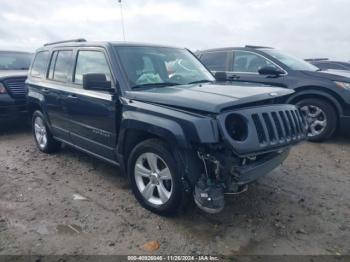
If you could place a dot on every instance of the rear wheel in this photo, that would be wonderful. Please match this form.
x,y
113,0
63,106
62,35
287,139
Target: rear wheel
x,y
42,135
155,177
321,117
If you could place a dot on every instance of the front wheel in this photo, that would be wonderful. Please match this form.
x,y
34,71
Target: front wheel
x,y
155,177
321,117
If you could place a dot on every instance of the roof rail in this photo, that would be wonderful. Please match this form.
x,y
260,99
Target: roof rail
x,y
66,41
316,59
257,47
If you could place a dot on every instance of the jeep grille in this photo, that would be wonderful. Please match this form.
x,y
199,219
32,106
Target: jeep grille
x,y
16,87
268,128
279,127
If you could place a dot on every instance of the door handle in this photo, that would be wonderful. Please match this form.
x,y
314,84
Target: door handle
x,y
71,96
234,77
46,90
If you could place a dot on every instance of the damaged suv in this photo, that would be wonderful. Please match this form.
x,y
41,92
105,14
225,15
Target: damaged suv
x,y
157,112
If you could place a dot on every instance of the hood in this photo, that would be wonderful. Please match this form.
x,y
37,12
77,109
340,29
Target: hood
x,y
211,98
11,73
332,75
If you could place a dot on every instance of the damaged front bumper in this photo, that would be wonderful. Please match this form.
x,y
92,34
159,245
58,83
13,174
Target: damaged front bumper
x,y
227,178
255,141
251,172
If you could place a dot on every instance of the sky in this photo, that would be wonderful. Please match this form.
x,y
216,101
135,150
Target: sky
x,y
305,28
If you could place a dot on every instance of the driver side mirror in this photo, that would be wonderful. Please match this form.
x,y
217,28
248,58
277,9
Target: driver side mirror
x,y
96,82
270,70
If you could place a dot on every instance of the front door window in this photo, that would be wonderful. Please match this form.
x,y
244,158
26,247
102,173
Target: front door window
x,y
247,62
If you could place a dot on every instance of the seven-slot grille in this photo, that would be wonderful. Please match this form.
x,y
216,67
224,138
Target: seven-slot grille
x,y
16,87
279,127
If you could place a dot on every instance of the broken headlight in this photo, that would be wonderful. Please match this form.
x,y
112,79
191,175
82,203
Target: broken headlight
x,y
237,127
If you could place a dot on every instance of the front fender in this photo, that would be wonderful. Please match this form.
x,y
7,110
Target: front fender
x,y
172,131
167,129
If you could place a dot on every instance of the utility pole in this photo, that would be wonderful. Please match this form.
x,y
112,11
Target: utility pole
x,y
122,18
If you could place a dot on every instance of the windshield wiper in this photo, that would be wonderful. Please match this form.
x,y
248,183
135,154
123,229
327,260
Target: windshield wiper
x,y
201,81
163,84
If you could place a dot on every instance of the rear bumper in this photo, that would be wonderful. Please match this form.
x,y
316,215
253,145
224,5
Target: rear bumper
x,y
10,108
252,172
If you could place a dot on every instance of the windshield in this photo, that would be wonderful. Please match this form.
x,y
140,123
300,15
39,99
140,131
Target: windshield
x,y
161,66
14,61
291,61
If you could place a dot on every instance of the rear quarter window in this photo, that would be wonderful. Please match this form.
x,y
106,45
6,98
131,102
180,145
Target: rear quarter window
x,y
39,66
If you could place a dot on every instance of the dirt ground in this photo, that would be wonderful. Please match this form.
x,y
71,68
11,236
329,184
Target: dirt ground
x,y
303,207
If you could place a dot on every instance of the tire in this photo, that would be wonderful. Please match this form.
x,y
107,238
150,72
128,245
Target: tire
x,y
167,196
47,143
327,129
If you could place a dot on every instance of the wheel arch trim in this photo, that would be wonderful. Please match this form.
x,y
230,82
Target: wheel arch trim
x,y
319,93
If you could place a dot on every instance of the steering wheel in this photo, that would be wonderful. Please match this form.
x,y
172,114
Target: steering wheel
x,y
176,78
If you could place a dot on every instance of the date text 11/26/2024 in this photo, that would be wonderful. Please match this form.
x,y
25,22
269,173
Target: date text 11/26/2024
x,y
173,258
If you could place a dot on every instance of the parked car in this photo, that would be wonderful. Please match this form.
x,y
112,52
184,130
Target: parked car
x,y
326,64
13,72
323,97
175,133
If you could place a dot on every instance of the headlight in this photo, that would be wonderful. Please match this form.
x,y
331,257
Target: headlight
x,y
343,85
236,126
2,89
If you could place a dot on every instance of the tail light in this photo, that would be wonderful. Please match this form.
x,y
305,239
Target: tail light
x,y
2,89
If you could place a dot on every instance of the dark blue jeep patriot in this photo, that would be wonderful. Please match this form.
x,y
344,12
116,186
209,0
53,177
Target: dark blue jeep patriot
x,y
158,113
13,72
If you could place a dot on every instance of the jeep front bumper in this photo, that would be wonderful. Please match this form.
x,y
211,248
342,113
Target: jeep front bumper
x,y
259,168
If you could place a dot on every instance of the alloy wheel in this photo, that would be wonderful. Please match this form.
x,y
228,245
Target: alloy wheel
x,y
317,119
153,178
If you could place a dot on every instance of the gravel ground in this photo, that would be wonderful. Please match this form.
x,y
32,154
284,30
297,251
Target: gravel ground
x,y
303,207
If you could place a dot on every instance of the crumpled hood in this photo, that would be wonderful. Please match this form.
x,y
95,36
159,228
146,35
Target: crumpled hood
x,y
332,75
209,97
11,73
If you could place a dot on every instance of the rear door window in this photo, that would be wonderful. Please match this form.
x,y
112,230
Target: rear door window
x,y
62,66
40,64
216,61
